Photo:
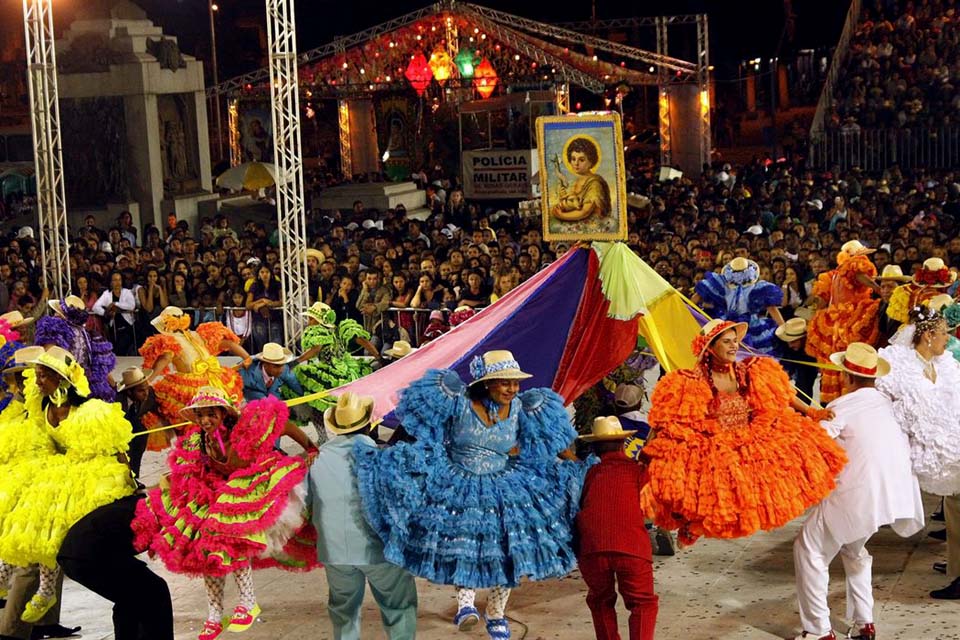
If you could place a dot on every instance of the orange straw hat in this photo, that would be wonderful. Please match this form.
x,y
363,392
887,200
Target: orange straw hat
x,y
711,331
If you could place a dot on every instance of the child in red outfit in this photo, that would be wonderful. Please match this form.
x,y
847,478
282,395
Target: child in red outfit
x,y
614,547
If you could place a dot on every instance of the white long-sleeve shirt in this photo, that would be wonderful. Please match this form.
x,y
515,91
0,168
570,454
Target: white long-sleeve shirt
x,y
127,304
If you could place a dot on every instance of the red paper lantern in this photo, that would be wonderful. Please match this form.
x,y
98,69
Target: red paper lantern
x,y
418,73
485,78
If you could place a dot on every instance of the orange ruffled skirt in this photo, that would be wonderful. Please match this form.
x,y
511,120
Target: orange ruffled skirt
x,y
738,481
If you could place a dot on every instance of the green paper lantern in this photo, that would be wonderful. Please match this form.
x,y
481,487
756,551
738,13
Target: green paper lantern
x,y
466,62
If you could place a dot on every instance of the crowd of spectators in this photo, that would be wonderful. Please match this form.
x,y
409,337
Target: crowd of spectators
x,y
903,68
367,264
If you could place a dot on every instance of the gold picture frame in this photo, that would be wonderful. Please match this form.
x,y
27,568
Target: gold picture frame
x,y
583,180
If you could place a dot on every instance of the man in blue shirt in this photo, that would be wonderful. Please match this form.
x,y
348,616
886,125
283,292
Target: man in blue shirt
x,y
350,551
269,372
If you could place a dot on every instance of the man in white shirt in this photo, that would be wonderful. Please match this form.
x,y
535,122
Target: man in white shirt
x,y
876,488
116,305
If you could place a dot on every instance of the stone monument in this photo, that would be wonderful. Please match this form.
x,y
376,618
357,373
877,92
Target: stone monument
x,y
134,116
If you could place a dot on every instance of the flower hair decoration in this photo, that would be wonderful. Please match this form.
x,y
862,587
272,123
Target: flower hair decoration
x,y
941,276
477,370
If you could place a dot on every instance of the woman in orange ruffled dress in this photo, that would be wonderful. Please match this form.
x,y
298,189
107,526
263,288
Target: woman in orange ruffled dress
x,y
193,356
734,451
848,313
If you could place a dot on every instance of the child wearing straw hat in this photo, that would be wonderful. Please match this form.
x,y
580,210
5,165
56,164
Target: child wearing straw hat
x,y
613,546
233,504
351,553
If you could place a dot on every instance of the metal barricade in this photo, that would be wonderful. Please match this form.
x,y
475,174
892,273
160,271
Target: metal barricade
x,y
874,150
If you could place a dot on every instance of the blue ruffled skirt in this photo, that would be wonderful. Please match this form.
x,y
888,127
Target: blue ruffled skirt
x,y
451,526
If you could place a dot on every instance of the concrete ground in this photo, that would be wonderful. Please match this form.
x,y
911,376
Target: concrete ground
x,y
712,591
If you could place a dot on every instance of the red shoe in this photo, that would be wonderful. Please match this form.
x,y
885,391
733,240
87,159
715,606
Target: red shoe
x,y
243,618
864,631
809,636
210,631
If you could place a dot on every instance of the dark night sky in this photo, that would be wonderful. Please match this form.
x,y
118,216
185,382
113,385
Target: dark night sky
x,y
738,30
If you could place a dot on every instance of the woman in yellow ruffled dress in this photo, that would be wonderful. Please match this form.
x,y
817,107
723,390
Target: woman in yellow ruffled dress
x,y
193,355
43,495
848,312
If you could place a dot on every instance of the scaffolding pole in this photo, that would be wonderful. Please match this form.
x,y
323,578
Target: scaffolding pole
x,y
663,96
291,215
703,86
48,155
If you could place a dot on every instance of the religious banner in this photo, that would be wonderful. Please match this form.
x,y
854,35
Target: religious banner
x,y
583,179
498,174
256,131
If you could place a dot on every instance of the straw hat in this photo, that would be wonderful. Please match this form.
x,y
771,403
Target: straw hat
x,y
496,365
711,331
861,360
934,273
159,323
132,377
742,270
893,272
63,362
855,248
15,319
399,349
351,413
274,353
209,397
938,302
23,357
71,301
323,314
627,395
792,329
740,264
606,428
317,255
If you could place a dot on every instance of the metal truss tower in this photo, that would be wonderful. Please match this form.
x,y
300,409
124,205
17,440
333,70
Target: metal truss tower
x,y
291,214
48,156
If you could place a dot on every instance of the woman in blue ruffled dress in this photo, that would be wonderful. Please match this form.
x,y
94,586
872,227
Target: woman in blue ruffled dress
x,y
480,499
738,294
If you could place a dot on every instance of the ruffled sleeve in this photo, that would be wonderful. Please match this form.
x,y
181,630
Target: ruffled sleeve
x,y
428,405
213,333
896,384
261,422
765,294
857,265
545,428
680,402
96,428
822,287
711,289
156,346
769,388
52,330
316,336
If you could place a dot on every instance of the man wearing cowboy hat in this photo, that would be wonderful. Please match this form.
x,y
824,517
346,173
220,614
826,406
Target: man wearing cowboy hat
x,y
350,551
794,334
875,489
269,372
139,400
890,279
613,546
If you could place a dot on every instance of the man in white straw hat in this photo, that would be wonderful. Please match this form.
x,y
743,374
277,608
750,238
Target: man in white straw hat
x,y
399,349
269,373
350,551
875,489
614,549
140,404
890,279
